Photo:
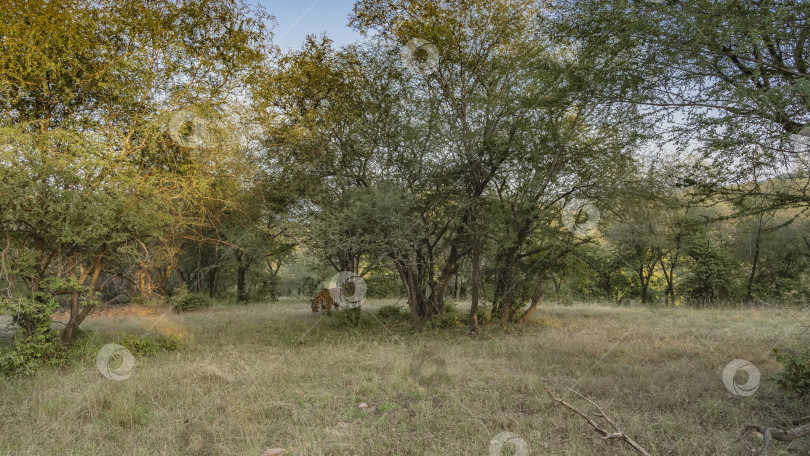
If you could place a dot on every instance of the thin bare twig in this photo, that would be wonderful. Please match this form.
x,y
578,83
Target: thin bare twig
x,y
618,434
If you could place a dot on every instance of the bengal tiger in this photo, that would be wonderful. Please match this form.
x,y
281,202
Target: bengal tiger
x,y
326,299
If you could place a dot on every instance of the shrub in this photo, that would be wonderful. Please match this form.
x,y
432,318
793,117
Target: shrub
x,y
711,278
449,319
145,345
185,301
796,375
392,312
484,313
351,318
37,345
31,351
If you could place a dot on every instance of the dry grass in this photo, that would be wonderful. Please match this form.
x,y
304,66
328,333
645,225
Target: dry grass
x,y
273,375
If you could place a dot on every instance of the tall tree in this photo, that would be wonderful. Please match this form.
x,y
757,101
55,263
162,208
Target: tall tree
x,y
502,91
88,165
732,76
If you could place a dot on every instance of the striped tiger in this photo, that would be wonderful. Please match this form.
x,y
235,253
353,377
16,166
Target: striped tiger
x,y
326,299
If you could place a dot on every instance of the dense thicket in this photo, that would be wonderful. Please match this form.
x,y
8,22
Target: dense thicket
x,y
501,151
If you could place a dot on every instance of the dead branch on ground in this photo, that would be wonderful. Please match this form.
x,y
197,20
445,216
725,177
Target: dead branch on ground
x,y
606,435
769,434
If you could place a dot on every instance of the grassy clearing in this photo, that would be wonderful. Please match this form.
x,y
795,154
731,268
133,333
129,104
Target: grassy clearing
x,y
274,375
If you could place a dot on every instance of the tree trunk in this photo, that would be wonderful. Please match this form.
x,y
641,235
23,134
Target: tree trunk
x,y
241,272
508,298
671,284
476,274
79,313
749,296
241,292
505,285
77,316
273,280
643,283
416,300
669,276
536,295
644,293
212,281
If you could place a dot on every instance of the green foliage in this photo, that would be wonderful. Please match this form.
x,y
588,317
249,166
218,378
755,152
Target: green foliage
x,y
796,374
32,351
184,301
389,175
149,345
695,65
712,275
603,276
384,283
36,344
484,313
450,319
90,171
392,312
783,262
352,318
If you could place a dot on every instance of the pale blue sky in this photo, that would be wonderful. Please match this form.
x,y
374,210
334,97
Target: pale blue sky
x,y
299,18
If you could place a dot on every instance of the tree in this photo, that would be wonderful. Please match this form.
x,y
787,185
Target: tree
x,y
88,169
506,99
711,275
735,74
345,125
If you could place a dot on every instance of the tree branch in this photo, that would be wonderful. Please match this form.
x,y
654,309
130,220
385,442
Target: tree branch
x,y
606,435
769,434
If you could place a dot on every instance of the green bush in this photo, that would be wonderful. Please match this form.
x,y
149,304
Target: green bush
x,y
31,351
392,312
146,345
37,345
451,318
796,375
352,318
484,313
185,301
384,283
712,276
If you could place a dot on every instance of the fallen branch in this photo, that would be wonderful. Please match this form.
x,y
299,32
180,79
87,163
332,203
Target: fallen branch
x,y
804,418
606,435
769,434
